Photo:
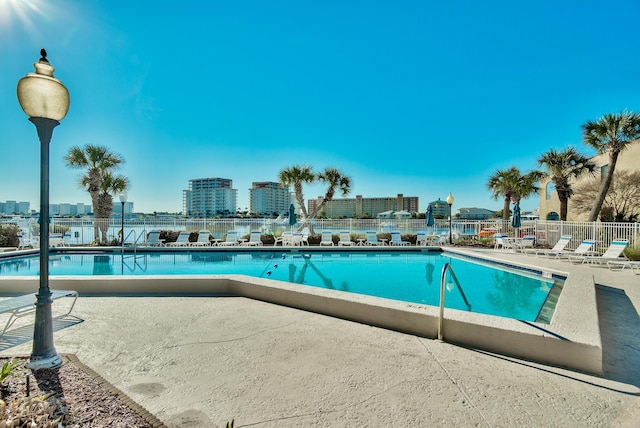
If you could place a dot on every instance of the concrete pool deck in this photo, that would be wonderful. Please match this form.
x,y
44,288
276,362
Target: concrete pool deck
x,y
197,362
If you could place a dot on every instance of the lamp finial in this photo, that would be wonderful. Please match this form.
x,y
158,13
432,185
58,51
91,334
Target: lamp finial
x,y
43,53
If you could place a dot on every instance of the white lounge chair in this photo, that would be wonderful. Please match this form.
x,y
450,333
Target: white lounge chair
x,y
499,238
181,241
526,243
622,264
421,238
327,238
55,239
25,241
230,240
284,239
560,245
396,239
584,248
66,240
372,238
254,239
153,239
615,252
345,238
203,239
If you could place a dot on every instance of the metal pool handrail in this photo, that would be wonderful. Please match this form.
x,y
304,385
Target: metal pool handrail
x,y
447,266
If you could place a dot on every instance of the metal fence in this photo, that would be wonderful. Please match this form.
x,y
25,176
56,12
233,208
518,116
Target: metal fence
x,y
546,232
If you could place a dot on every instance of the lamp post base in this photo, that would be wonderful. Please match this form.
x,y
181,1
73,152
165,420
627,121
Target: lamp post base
x,y
37,363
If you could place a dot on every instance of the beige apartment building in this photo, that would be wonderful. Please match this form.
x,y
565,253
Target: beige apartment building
x,y
358,206
549,206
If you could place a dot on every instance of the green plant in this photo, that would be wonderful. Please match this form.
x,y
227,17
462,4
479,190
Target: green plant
x,y
230,423
10,368
9,235
633,253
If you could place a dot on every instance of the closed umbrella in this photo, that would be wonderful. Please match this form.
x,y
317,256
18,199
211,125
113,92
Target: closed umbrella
x,y
292,215
515,220
428,215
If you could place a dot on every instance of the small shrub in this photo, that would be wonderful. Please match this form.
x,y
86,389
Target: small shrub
x,y
633,253
9,235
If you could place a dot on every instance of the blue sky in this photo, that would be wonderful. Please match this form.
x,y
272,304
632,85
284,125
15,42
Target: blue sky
x,y
415,97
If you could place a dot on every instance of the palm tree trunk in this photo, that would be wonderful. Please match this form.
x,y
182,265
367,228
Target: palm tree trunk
x,y
505,208
563,207
604,187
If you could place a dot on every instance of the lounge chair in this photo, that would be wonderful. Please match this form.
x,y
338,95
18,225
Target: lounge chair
x,y
372,238
203,239
181,241
396,239
421,238
345,238
560,246
622,264
153,239
615,252
327,238
230,240
254,239
585,248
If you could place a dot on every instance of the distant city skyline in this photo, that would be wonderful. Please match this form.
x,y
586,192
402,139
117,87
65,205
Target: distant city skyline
x,y
423,98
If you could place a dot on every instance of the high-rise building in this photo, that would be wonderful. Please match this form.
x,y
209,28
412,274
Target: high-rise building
x,y
359,206
13,207
267,198
210,197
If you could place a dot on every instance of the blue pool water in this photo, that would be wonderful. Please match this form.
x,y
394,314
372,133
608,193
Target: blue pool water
x,y
407,276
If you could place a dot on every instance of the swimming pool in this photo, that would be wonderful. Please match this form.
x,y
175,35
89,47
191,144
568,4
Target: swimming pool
x,y
404,276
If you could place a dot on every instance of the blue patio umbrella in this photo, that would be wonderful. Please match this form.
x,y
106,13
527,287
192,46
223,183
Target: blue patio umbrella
x,y
292,215
428,215
515,220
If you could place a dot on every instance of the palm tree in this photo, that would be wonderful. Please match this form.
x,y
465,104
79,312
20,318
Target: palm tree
x,y
513,186
111,185
96,160
562,166
334,179
295,176
611,134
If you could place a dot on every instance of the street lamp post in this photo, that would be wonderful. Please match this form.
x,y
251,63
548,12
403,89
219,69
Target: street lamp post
x,y
46,101
123,199
450,202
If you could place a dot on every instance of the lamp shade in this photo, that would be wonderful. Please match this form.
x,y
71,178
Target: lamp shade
x,y
42,95
450,199
123,197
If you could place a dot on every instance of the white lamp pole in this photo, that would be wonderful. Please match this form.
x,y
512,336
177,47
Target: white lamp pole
x,y
46,101
450,202
123,200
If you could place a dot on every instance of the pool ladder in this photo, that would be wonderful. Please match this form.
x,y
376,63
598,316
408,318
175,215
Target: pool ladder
x,y
454,278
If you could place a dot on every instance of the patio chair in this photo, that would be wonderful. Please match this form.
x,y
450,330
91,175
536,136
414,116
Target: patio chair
x,y
153,239
500,243
583,249
25,241
560,245
254,238
327,238
344,238
526,243
230,239
181,241
284,239
66,240
372,238
396,239
55,239
615,252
